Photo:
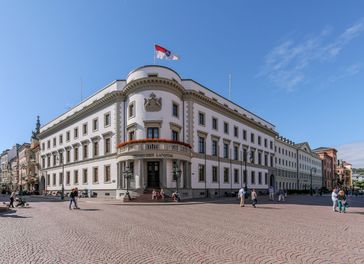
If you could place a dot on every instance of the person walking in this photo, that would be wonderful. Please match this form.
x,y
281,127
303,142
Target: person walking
x,y
76,198
334,199
280,195
271,193
341,197
241,194
254,197
12,198
72,199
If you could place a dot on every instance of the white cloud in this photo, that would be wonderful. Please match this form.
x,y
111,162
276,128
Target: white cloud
x,y
352,153
286,64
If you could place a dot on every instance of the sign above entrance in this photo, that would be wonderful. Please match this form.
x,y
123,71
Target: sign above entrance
x,y
154,155
153,104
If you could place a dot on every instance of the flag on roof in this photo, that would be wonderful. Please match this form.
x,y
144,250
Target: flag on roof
x,y
163,53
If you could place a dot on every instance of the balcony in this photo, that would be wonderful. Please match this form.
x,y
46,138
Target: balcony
x,y
155,148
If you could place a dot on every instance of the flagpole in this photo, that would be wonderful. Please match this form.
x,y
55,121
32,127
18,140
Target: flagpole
x,y
154,54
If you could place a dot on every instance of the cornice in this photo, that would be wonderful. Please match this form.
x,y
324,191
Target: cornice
x,y
107,99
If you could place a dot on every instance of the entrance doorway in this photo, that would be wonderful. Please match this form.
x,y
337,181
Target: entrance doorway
x,y
153,174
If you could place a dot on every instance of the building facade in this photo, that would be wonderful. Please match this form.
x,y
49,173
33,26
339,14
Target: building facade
x,y
156,130
298,167
328,157
344,171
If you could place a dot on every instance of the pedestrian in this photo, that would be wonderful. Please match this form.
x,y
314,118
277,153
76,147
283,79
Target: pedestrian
x,y
12,198
271,193
241,194
334,199
72,199
76,198
254,197
341,197
280,195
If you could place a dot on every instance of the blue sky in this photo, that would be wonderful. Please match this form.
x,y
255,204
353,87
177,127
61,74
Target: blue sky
x,y
297,64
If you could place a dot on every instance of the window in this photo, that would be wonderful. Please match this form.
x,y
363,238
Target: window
x,y
60,139
259,158
201,144
43,162
68,155
75,176
271,144
244,134
107,177
54,160
96,149
153,132
54,142
84,176
84,129
201,119
236,153
48,144
236,176
43,146
214,147
252,137
265,178
265,143
214,174
253,177
95,174
107,145
132,135
259,178
68,177
226,175
265,159
54,179
259,140
245,155
68,136
107,120
60,178
175,135
95,124
226,128
48,180
226,151
252,156
271,161
131,110
201,172
75,132
75,152
175,110
48,161
85,151
236,131
214,123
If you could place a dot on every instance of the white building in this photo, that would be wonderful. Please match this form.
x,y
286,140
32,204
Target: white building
x,y
295,164
151,124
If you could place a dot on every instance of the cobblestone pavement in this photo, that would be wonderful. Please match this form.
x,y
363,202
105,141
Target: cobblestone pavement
x,y
202,232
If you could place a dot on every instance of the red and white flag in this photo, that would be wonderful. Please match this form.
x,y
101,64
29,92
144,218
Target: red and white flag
x,y
162,53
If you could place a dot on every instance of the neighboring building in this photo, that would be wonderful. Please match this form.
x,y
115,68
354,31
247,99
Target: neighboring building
x,y
328,157
309,167
344,171
357,177
298,167
149,124
5,169
286,164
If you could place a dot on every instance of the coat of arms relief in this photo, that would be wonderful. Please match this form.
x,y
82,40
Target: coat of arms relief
x,y
153,104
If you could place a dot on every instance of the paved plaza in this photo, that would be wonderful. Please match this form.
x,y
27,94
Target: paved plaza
x,y
303,230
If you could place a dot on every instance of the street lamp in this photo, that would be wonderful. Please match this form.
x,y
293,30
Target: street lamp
x,y
60,160
312,169
245,170
127,175
176,174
